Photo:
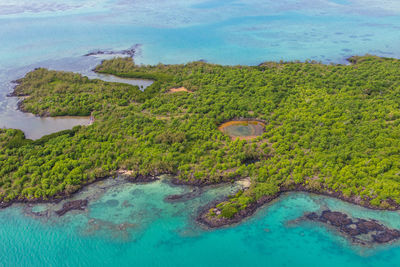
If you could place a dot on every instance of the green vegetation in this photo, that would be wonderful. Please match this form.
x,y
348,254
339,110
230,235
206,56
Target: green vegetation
x,y
52,93
238,202
329,128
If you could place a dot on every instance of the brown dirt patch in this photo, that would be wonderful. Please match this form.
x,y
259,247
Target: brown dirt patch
x,y
179,89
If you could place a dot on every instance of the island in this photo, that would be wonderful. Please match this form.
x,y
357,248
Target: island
x,y
304,126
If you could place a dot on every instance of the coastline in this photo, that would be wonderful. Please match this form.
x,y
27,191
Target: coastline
x,y
218,222
198,183
377,232
63,196
54,199
201,218
21,97
360,231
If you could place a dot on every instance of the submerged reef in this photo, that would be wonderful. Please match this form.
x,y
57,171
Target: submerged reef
x,y
359,230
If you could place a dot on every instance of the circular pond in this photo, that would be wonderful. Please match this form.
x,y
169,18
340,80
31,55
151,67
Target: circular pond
x,y
246,129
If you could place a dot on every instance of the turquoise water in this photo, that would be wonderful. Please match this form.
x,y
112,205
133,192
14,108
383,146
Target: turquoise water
x,y
177,31
129,224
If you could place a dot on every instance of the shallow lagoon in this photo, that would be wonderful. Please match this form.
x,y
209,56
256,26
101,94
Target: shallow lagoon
x,y
219,31
131,224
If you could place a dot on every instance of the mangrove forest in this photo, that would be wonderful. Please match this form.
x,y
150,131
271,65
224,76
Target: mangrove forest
x,y
332,129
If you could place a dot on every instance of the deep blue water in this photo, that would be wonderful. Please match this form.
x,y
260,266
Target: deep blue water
x,y
131,224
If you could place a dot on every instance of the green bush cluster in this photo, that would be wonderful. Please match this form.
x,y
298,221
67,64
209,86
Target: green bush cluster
x,y
55,93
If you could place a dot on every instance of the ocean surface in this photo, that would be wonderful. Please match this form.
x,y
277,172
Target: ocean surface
x,y
132,225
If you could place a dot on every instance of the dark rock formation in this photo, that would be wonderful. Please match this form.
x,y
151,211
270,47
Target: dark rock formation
x,y
197,182
365,226
72,205
311,216
141,178
386,236
184,197
28,209
359,230
131,52
335,218
5,204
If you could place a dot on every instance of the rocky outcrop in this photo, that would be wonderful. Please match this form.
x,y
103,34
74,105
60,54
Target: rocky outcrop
x,y
359,230
141,178
201,182
184,197
335,218
131,52
177,181
215,221
72,205
5,204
